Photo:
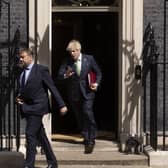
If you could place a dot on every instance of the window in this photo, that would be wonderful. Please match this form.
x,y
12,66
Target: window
x,y
84,2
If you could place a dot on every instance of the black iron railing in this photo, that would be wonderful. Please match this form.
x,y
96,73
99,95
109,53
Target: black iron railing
x,y
9,117
149,81
155,84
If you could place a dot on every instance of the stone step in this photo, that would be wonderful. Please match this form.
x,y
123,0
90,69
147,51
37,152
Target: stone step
x,y
99,166
105,153
101,145
97,158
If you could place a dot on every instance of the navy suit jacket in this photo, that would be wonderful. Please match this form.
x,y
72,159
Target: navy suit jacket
x,y
35,92
78,85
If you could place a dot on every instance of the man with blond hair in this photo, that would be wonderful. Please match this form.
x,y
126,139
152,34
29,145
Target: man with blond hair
x,y
81,91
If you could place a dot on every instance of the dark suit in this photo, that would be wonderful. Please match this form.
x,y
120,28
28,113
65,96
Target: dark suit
x,y
80,95
36,104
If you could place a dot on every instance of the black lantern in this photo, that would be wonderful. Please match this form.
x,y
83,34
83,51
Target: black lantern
x,y
138,72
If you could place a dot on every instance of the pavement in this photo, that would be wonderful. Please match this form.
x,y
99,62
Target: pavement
x,y
11,159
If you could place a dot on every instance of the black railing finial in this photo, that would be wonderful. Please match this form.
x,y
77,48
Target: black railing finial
x,y
148,31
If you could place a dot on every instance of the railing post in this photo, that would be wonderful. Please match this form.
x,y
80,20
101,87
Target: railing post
x,y
15,84
153,105
164,75
1,102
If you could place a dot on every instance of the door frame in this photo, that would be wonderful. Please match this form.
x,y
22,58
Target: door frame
x,y
113,121
130,29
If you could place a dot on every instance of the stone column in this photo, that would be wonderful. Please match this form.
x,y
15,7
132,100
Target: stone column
x,y
130,89
39,39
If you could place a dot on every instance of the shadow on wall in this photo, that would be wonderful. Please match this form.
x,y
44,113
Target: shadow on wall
x,y
42,47
132,90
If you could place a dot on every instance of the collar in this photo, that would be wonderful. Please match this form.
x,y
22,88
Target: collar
x,y
30,66
80,57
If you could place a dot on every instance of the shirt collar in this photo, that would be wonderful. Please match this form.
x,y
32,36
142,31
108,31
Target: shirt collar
x,y
29,67
80,57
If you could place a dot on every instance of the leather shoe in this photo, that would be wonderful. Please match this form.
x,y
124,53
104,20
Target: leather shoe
x,y
52,166
89,148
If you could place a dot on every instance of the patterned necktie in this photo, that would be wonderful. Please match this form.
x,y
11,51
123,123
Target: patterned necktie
x,y
78,67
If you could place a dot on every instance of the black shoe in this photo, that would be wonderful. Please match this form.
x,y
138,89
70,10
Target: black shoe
x,y
52,166
89,148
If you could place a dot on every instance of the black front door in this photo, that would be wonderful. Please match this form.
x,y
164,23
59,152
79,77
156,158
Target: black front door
x,y
98,34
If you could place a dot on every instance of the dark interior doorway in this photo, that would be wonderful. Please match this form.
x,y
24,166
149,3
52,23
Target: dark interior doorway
x,y
98,34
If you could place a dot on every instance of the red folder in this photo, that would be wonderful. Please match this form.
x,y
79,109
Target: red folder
x,y
91,77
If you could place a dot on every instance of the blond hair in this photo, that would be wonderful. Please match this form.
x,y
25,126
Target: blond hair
x,y
73,45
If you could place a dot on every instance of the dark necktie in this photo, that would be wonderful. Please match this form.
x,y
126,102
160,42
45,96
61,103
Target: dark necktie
x,y
22,84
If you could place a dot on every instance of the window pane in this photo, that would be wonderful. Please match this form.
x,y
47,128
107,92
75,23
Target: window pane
x,y
83,2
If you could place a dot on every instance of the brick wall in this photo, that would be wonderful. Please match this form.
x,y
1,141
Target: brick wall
x,y
18,12
154,13
18,17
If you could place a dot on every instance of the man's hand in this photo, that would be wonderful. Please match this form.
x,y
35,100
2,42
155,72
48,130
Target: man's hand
x,y
94,86
19,100
63,110
69,72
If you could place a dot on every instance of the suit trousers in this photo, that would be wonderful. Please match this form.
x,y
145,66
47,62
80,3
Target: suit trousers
x,y
35,133
83,110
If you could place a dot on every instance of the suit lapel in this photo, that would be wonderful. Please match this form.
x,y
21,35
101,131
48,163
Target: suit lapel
x,y
84,64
